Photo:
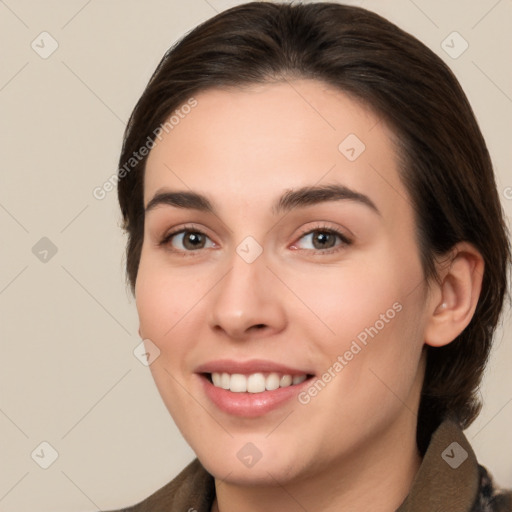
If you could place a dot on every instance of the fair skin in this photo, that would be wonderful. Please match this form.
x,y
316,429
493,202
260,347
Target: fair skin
x,y
299,303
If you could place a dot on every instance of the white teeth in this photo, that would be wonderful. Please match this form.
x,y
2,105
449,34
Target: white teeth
x,y
224,380
238,383
286,380
272,382
297,379
217,379
256,382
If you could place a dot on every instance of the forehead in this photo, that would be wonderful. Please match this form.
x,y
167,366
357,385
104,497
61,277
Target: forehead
x,y
255,141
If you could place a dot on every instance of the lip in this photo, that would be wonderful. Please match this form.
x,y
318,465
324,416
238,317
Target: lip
x,y
249,405
248,367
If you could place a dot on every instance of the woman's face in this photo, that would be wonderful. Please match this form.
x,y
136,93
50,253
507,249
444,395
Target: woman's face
x,y
294,256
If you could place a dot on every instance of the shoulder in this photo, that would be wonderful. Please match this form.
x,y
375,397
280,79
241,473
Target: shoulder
x,y
193,488
490,498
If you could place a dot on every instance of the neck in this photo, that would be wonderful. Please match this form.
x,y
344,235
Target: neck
x,y
377,477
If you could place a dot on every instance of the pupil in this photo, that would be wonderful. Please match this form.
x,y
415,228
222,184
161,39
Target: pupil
x,y
323,239
193,240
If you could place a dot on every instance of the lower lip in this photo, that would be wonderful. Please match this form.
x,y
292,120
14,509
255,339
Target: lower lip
x,y
250,405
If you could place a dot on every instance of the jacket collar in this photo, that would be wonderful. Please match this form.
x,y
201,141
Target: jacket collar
x,y
448,478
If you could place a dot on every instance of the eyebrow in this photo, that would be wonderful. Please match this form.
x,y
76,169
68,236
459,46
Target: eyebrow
x,y
291,199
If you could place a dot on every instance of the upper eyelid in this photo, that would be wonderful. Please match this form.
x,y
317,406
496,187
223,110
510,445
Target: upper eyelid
x,y
306,231
176,231
323,227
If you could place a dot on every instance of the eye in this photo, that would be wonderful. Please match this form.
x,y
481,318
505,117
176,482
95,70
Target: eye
x,y
187,240
322,239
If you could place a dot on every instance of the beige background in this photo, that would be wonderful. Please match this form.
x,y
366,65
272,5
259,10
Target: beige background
x,y
69,325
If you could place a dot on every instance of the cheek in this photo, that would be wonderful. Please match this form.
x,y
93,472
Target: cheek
x,y
164,297
163,302
353,297
372,317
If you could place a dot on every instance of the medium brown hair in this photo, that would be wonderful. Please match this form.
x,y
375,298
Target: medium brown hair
x,y
445,164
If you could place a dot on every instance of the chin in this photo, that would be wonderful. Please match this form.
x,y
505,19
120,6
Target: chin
x,y
246,458
262,473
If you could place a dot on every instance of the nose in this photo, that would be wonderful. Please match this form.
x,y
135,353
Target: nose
x,y
248,301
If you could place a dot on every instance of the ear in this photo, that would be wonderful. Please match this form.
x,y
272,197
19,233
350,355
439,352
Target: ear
x,y
454,299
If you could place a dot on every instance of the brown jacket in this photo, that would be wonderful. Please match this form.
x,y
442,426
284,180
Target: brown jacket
x,y
449,480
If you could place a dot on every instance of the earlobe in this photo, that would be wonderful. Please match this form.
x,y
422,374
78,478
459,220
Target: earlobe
x,y
457,298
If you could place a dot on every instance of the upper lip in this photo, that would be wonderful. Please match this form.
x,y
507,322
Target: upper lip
x,y
248,367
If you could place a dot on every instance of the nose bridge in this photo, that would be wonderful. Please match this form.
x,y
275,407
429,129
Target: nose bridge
x,y
246,296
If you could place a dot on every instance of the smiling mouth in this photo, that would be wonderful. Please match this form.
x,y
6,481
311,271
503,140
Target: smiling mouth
x,y
258,382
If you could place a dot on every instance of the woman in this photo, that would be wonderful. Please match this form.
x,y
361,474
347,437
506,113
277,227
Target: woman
x,y
319,260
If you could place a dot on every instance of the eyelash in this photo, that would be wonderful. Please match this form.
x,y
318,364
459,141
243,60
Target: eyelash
x,y
345,241
322,228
